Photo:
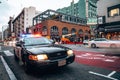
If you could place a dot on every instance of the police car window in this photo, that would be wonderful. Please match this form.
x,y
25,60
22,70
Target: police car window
x,y
36,41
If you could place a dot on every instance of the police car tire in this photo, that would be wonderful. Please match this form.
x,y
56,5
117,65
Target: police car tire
x,y
26,67
15,57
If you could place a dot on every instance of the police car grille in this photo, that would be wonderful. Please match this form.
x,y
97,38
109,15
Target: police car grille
x,y
57,55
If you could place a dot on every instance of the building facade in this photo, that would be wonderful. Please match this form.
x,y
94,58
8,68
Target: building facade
x,y
55,24
0,36
23,20
5,34
76,9
86,9
10,27
110,19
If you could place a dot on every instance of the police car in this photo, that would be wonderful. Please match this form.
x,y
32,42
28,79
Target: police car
x,y
35,51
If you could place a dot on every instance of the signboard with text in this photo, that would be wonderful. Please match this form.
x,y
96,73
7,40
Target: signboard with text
x,y
92,21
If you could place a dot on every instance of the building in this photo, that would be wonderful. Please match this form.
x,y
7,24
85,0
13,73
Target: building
x,y
109,17
10,27
91,14
23,20
86,9
55,24
5,34
0,36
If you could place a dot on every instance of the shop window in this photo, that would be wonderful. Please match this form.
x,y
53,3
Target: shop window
x,y
114,12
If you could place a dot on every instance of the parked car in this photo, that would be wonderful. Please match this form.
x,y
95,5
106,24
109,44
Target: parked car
x,y
85,42
103,42
39,52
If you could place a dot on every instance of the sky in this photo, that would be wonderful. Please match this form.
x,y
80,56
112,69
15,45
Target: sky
x,y
13,7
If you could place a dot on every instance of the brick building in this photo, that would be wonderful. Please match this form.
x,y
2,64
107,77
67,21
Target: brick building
x,y
55,25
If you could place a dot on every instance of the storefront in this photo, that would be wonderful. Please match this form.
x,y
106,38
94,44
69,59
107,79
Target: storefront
x,y
110,30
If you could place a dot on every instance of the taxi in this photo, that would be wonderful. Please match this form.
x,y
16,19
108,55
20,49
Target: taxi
x,y
39,52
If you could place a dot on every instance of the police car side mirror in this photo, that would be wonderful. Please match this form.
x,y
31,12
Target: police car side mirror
x,y
18,44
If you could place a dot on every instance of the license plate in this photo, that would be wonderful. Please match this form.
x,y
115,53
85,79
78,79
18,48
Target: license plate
x,y
62,63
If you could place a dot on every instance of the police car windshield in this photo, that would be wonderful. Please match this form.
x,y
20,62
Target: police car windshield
x,y
36,41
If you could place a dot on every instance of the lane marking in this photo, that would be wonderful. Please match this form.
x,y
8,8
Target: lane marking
x,y
8,53
112,73
102,57
109,60
106,76
95,58
9,71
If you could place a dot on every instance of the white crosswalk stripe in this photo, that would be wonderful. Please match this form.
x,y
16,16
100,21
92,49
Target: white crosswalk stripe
x,y
8,53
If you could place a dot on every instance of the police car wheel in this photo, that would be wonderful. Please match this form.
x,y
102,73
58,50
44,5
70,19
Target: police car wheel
x,y
26,67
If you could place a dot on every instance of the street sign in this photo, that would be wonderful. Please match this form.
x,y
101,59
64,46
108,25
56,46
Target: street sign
x,y
92,21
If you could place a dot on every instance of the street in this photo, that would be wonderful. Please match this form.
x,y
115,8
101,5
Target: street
x,y
60,40
90,64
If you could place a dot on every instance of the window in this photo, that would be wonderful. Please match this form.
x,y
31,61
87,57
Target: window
x,y
54,30
114,12
80,31
64,30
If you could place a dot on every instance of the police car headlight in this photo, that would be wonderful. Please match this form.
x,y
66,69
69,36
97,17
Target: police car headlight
x,y
70,53
40,57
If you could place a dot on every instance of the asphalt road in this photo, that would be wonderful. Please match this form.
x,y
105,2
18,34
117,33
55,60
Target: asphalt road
x,y
108,58
74,71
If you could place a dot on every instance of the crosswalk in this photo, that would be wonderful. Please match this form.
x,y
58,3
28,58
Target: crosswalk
x,y
8,53
7,68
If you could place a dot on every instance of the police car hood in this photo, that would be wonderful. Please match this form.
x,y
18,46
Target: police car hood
x,y
45,49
